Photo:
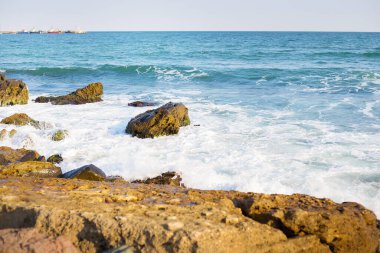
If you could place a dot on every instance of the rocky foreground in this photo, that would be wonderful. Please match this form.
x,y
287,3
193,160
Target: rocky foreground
x,y
94,216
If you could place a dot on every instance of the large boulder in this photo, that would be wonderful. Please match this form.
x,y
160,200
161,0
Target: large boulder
x,y
9,155
13,92
30,240
87,172
31,169
165,120
90,94
20,119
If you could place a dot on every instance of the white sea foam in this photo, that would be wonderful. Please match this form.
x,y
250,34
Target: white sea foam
x,y
231,149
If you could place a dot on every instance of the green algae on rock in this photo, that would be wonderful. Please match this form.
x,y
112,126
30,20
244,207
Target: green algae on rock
x,y
13,92
59,135
57,158
31,169
87,172
90,94
165,120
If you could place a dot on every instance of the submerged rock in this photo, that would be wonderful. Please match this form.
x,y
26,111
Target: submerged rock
x,y
9,155
141,104
20,119
13,92
59,135
31,169
90,94
165,120
30,240
167,178
57,158
87,172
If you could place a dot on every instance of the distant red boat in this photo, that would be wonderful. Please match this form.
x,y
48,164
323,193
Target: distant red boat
x,y
55,31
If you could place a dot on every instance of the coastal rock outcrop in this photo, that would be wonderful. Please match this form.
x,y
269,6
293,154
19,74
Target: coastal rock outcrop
x,y
165,120
87,172
20,119
90,94
141,104
167,178
31,169
162,218
29,240
13,92
9,155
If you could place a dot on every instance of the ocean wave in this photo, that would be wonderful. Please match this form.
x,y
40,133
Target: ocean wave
x,y
158,72
348,54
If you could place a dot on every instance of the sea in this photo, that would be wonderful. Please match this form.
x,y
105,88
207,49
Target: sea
x,y
271,112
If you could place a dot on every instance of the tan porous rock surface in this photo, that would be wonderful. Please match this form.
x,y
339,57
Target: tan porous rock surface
x,y
9,155
165,120
31,169
90,94
100,216
28,240
20,119
13,92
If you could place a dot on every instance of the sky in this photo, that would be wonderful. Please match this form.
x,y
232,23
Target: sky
x,y
192,15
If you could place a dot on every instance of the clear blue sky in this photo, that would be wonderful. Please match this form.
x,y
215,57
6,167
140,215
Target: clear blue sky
x,y
142,15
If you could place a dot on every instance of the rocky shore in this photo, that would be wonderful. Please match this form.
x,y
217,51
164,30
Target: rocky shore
x,y
85,210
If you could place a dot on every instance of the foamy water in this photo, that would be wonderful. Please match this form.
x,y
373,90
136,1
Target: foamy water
x,y
274,117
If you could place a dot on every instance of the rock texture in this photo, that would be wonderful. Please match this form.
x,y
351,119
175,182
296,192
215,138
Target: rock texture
x,y
165,120
13,92
57,158
20,119
87,172
100,216
30,240
90,94
31,169
5,133
167,178
9,155
141,104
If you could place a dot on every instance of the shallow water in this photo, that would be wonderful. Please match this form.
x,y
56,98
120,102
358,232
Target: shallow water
x,y
278,112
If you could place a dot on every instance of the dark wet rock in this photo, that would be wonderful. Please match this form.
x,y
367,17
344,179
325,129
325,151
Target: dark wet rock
x,y
9,155
31,169
165,120
167,178
141,104
87,172
30,240
13,92
20,119
2,77
59,135
57,158
90,94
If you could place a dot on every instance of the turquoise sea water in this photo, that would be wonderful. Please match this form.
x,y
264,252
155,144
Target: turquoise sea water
x,y
278,112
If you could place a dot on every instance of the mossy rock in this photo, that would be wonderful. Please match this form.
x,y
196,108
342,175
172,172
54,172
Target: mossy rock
x,y
57,158
31,169
59,135
13,92
165,120
87,172
90,94
20,119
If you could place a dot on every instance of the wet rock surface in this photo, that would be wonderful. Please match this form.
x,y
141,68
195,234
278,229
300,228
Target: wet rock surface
x,y
29,240
141,104
87,172
9,155
90,94
165,120
31,169
57,158
60,135
13,92
20,119
167,178
162,218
